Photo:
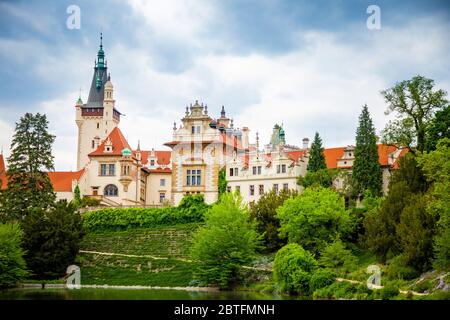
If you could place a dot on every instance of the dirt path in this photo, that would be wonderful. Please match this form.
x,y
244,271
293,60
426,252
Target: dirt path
x,y
134,255
374,286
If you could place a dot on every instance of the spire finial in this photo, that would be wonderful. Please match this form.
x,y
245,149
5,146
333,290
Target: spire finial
x,y
101,39
139,146
222,112
174,126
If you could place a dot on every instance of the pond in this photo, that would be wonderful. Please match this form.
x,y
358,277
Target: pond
x,y
133,294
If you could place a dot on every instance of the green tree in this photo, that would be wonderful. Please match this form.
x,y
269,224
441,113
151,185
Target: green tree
x,y
415,103
265,215
335,257
12,264
316,156
416,230
29,186
226,242
321,177
366,171
77,197
436,166
438,128
222,181
381,236
314,218
52,239
293,267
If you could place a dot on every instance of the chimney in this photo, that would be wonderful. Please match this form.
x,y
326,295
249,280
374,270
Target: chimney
x,y
305,143
245,132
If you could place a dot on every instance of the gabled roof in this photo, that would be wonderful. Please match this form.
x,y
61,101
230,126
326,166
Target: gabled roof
x,y
62,180
118,144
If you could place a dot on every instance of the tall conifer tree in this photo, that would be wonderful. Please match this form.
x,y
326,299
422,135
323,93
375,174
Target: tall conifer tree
x,y
29,187
316,156
366,168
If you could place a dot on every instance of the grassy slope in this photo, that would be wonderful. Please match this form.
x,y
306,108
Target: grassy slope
x,y
170,242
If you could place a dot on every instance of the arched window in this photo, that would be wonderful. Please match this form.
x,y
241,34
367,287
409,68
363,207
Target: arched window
x,y
111,191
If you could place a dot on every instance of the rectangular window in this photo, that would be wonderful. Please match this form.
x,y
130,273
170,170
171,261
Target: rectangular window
x,y
152,162
238,189
259,169
285,186
193,129
236,172
252,190
254,170
283,168
98,125
261,189
199,178
231,172
278,168
111,169
228,188
93,144
162,182
103,169
162,197
188,178
193,177
275,187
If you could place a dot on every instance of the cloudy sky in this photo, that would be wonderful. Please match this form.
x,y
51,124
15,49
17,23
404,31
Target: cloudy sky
x,y
310,65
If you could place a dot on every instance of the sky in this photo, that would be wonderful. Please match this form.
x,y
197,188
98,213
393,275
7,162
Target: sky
x,y
309,65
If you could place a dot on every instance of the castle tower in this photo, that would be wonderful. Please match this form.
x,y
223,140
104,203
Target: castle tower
x,y
98,116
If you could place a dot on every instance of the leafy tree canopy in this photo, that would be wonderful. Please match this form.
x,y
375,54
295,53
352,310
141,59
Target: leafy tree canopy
x,y
414,101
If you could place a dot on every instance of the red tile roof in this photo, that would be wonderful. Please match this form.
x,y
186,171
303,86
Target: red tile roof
x,y
295,155
162,157
62,180
160,170
118,144
333,154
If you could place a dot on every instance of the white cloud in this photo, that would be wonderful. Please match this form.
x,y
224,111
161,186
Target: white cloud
x,y
320,86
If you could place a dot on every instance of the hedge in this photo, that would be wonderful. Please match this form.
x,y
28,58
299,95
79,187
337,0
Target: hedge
x,y
190,210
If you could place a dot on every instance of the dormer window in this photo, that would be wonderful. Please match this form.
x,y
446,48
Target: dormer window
x,y
152,162
195,129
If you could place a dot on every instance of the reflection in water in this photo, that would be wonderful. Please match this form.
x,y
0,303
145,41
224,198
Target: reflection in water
x,y
133,294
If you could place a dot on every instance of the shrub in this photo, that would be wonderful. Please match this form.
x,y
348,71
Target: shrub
x,y
293,267
264,212
397,268
388,292
336,257
52,239
226,242
321,278
314,218
12,264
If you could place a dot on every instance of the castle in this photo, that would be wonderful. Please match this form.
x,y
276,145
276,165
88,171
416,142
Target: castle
x,y
110,170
